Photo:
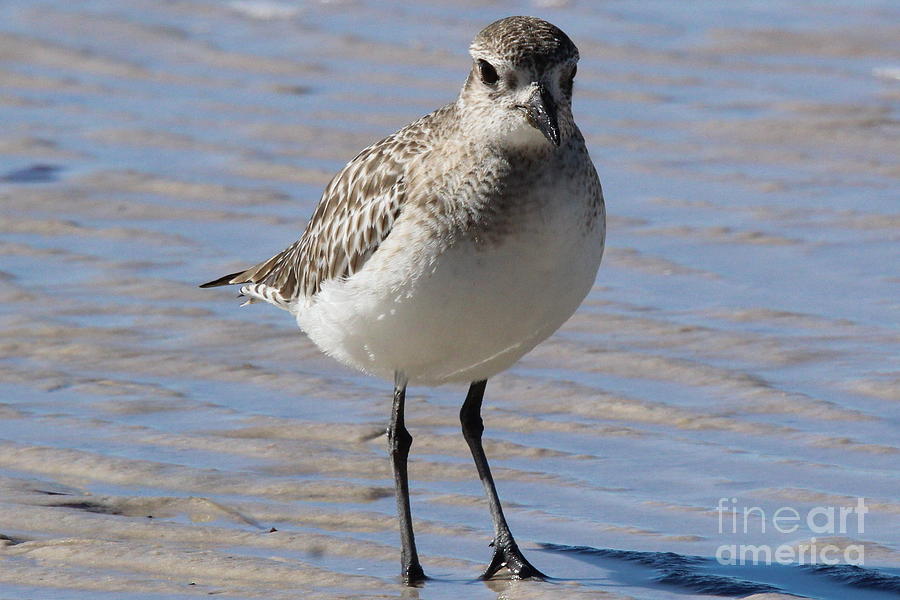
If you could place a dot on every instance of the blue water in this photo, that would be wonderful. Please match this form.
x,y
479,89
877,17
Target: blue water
x,y
741,341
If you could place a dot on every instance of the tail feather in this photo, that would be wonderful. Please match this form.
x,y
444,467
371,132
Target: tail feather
x,y
253,292
226,280
273,281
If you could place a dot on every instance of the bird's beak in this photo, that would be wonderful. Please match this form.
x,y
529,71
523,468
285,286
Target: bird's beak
x,y
540,110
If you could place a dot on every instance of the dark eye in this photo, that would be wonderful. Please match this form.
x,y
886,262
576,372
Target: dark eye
x,y
572,74
487,72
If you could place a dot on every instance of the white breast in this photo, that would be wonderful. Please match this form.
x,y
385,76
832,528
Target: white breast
x,y
462,313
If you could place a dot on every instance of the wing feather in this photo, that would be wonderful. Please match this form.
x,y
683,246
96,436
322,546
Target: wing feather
x,y
354,216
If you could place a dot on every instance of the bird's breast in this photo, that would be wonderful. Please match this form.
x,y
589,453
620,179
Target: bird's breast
x,y
463,308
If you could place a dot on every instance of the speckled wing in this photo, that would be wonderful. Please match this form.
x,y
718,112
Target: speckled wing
x,y
356,213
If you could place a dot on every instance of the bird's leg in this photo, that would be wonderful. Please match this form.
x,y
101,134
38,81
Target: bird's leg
x,y
399,442
506,551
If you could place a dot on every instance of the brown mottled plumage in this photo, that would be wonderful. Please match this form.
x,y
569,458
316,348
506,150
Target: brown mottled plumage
x,y
525,42
448,250
355,214
361,203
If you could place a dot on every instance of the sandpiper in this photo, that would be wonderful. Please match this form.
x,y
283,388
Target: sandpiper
x,y
446,251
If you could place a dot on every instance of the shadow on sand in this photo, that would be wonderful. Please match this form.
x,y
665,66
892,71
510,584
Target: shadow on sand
x,y
702,575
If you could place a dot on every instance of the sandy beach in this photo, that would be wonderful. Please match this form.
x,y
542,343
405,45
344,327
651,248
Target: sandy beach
x,y
739,353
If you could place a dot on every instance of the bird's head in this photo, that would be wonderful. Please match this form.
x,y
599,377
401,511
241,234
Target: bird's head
x,y
522,77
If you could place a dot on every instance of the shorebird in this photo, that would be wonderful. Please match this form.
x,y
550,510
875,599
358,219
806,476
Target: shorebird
x,y
448,250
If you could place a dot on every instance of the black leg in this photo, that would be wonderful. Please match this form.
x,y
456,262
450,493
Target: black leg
x,y
506,552
399,442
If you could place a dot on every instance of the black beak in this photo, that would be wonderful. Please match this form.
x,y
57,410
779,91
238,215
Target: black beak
x,y
541,114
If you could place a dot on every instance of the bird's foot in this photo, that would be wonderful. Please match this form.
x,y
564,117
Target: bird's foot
x,y
413,575
510,557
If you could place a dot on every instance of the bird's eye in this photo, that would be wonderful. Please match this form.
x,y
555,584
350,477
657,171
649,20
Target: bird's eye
x,y
572,74
487,72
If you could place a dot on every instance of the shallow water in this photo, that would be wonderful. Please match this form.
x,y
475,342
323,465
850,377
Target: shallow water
x,y
741,341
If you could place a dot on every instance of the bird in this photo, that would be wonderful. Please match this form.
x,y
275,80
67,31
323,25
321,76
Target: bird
x,y
448,250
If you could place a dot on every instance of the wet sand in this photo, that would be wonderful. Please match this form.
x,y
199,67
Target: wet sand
x,y
741,340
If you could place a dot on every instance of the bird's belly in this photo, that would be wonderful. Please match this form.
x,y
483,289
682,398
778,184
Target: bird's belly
x,y
479,309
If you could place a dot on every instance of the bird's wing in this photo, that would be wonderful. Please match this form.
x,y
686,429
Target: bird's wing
x,y
356,213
